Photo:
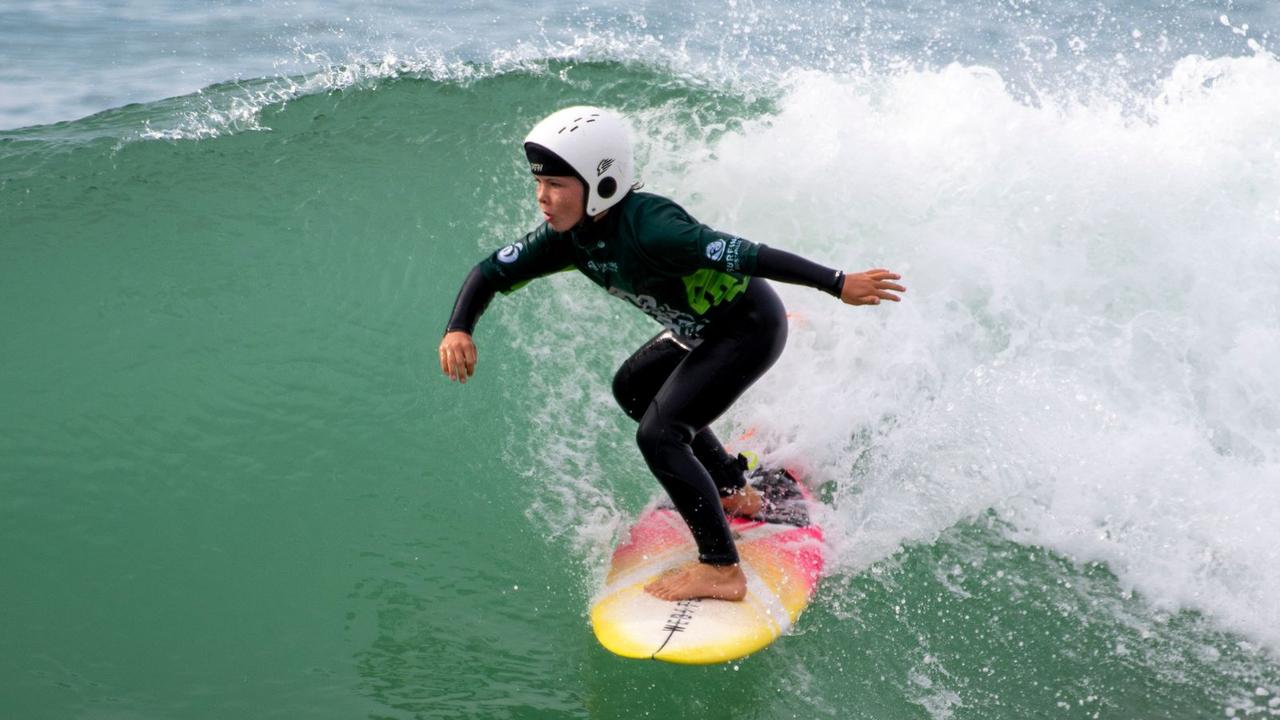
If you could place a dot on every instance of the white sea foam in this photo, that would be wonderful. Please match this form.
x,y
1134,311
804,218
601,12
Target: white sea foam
x,y
1089,341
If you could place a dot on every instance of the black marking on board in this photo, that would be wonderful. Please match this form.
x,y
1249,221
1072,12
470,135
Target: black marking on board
x,y
681,616
678,620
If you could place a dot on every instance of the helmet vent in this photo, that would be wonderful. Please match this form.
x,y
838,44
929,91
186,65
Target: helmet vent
x,y
578,120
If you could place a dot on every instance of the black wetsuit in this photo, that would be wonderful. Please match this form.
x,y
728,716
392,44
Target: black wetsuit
x,y
725,328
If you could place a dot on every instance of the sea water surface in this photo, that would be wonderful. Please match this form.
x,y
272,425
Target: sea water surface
x,y
234,483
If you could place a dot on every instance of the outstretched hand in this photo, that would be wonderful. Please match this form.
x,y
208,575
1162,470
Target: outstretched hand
x,y
870,287
458,356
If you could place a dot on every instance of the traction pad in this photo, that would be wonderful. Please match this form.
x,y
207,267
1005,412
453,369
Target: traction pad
x,y
783,502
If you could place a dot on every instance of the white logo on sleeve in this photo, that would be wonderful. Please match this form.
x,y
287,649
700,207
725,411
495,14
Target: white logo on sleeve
x,y
715,250
509,253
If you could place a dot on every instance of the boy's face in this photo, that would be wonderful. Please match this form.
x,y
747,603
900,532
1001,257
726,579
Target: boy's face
x,y
562,200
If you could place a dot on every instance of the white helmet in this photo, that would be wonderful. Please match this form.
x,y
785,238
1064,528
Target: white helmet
x,y
590,143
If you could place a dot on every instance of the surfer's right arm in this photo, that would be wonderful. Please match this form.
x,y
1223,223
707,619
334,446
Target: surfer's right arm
x,y
542,252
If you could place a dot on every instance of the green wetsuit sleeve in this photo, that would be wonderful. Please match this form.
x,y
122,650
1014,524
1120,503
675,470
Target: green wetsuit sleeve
x,y
677,244
541,252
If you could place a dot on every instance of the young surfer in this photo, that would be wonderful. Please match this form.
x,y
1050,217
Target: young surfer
x,y
725,325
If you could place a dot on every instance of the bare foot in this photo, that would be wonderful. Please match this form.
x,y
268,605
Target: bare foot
x,y
744,503
700,580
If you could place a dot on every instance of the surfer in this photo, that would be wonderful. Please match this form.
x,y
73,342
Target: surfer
x,y
725,326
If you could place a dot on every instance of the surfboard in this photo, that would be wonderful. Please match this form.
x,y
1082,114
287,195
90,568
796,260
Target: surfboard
x,y
782,555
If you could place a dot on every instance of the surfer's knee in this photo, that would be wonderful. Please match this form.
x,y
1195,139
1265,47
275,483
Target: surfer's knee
x,y
657,433
642,375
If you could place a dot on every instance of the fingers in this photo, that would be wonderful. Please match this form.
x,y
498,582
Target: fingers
x,y
449,363
872,286
882,287
459,369
881,278
875,297
458,358
469,360
886,295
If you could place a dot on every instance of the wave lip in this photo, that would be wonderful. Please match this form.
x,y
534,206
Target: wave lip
x,y
125,55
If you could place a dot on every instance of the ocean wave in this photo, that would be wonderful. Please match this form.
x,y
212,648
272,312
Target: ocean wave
x,y
1084,347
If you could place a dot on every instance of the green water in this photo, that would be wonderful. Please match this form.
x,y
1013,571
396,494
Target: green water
x,y
235,484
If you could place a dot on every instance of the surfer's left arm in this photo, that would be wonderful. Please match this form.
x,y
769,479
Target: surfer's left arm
x,y
676,238
862,288
683,242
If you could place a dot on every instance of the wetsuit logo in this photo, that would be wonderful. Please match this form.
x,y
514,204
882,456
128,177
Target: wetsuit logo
x,y
604,166
715,250
509,253
733,261
679,322
536,168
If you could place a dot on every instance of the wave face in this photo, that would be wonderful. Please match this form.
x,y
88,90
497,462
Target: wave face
x,y
1050,474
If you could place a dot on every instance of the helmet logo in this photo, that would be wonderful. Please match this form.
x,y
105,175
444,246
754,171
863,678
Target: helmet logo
x,y
604,166
715,250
